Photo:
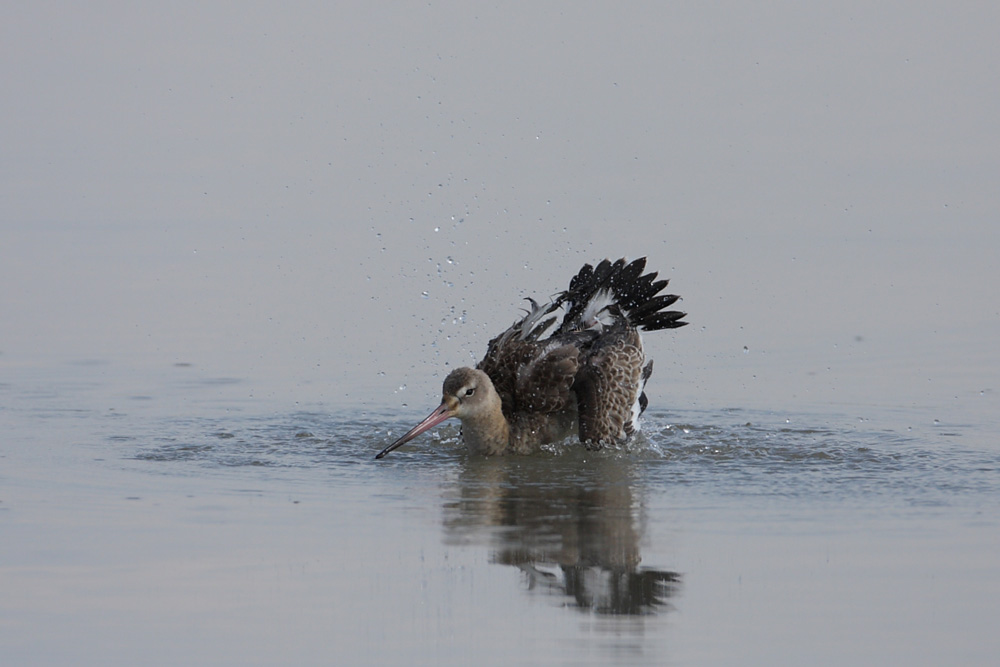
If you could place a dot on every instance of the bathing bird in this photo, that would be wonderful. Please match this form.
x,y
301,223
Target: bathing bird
x,y
546,379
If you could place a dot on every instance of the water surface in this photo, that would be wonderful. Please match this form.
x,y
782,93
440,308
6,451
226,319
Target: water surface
x,y
134,532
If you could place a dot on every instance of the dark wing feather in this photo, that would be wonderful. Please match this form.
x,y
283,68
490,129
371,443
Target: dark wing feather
x,y
651,306
636,294
668,319
533,376
543,384
504,356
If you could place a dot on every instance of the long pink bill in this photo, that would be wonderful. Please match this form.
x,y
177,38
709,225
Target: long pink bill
x,y
442,413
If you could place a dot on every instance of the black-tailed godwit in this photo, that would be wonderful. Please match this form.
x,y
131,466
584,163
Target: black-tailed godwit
x,y
543,380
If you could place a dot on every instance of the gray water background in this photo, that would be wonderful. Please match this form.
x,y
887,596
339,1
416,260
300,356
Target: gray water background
x,y
242,246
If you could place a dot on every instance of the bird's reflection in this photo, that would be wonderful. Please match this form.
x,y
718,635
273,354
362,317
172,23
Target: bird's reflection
x,y
573,527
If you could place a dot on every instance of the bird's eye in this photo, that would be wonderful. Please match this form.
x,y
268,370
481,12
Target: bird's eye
x,y
470,391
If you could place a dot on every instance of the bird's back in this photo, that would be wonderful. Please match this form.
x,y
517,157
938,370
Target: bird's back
x,y
587,368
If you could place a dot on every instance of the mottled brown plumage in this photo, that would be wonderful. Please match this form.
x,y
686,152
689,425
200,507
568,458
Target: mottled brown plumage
x,y
585,378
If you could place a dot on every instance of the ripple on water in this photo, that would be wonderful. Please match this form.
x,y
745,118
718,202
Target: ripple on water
x,y
841,459
724,452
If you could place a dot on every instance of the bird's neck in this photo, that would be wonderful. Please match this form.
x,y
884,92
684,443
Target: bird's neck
x,y
487,432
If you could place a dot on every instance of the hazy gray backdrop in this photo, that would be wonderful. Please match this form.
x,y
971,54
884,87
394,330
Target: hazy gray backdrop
x,y
227,229
332,200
